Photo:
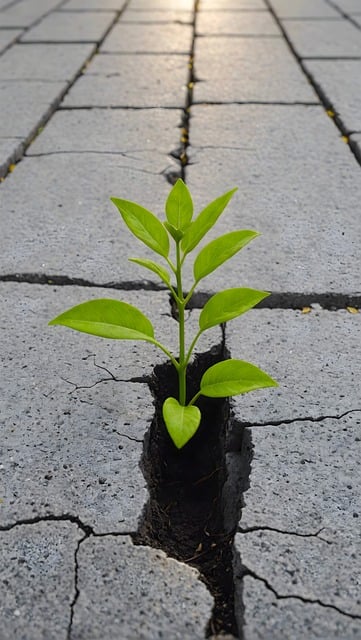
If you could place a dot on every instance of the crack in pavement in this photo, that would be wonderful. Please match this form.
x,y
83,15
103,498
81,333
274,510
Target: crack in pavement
x,y
283,531
278,423
248,572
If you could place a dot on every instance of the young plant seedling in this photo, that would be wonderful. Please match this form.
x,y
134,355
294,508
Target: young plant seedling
x,y
120,320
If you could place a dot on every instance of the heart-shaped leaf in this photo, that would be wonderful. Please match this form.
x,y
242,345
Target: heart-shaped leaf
x,y
205,221
179,206
181,422
144,225
228,304
106,318
220,250
161,272
233,377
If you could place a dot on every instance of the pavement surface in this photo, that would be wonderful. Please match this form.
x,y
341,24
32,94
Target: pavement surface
x,y
121,97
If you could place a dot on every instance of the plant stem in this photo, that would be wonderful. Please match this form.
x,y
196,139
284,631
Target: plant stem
x,y
181,323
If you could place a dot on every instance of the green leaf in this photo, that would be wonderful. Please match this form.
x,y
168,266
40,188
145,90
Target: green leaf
x,y
220,250
161,272
179,206
108,319
144,225
205,221
181,422
233,377
177,234
228,304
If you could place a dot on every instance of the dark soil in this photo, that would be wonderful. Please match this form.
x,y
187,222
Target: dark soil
x,y
184,515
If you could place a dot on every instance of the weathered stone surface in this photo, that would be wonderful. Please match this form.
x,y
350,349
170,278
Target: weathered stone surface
x,y
300,525
151,16
61,220
232,5
323,38
72,431
23,14
61,26
349,6
38,580
139,591
242,23
304,9
11,149
279,157
356,140
296,349
132,81
248,69
148,38
25,105
336,79
169,5
86,5
266,617
7,37
52,62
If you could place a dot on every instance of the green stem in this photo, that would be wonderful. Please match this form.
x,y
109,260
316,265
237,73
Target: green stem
x,y
190,350
195,398
181,323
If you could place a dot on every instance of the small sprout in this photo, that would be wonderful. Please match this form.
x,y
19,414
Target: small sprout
x,y
113,319
306,310
352,310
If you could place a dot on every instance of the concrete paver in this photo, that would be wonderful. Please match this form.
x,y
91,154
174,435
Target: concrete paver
x,y
90,5
160,597
152,16
336,80
26,12
70,27
324,38
50,62
160,38
231,5
243,23
131,81
7,37
304,9
37,570
257,69
348,6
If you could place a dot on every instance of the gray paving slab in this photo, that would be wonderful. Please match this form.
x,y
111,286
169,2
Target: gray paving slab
x,y
72,435
336,79
279,157
86,5
61,26
132,81
38,575
248,69
356,140
71,227
168,5
26,12
348,6
148,38
357,19
7,37
11,149
259,23
24,105
300,528
297,349
266,617
160,597
225,5
324,38
138,16
304,9
51,62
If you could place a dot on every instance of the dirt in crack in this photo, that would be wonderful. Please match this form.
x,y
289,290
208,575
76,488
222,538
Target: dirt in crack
x,y
184,515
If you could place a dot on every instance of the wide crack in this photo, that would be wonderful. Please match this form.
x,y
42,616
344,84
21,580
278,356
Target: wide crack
x,y
191,513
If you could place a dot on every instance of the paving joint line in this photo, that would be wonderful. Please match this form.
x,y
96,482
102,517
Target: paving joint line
x,y
343,13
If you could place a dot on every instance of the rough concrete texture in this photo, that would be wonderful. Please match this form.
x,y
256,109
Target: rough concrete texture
x,y
324,38
348,6
336,80
257,69
7,37
86,5
356,142
160,598
288,191
300,524
132,81
268,617
71,27
37,580
170,5
148,38
151,16
243,23
11,149
74,442
25,13
231,5
296,348
304,9
50,62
